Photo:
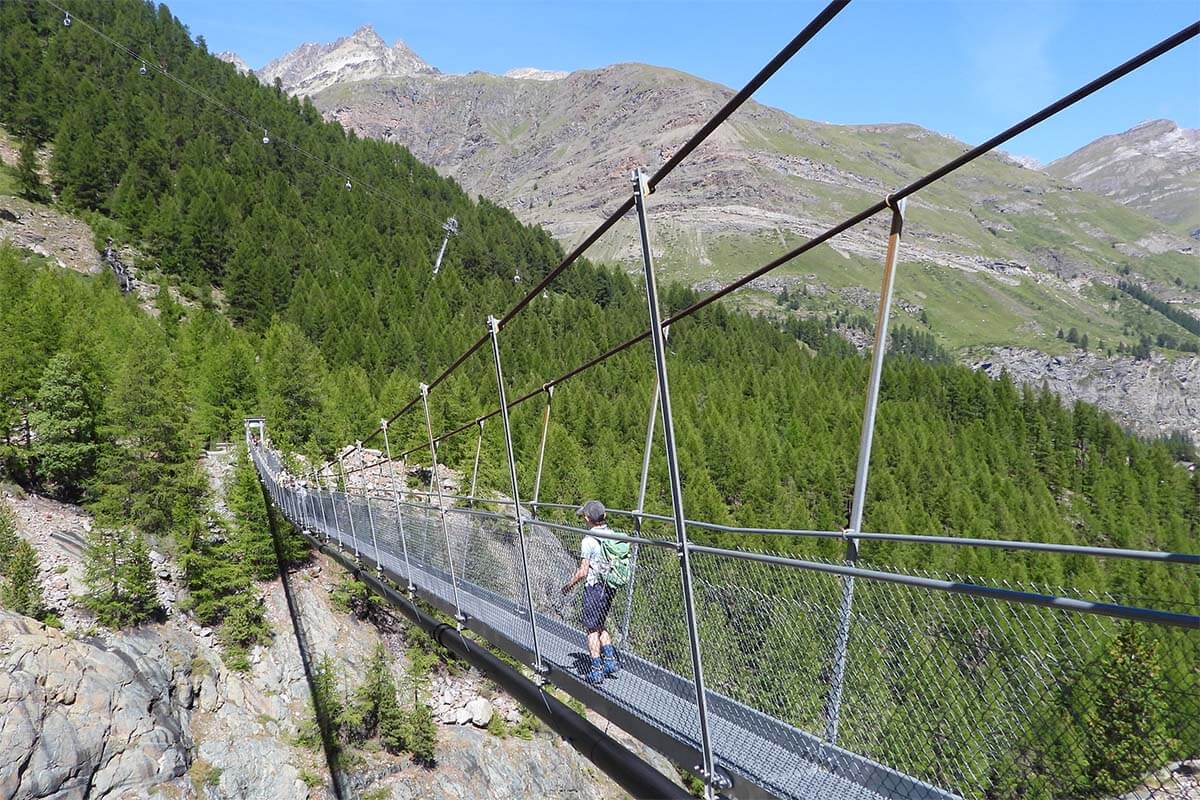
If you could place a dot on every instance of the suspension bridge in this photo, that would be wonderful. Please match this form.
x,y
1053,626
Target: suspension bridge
x,y
705,633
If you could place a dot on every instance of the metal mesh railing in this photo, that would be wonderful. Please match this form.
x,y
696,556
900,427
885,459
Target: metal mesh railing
x,y
955,687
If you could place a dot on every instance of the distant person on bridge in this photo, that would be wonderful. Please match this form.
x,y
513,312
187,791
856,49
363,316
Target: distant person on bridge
x,y
604,565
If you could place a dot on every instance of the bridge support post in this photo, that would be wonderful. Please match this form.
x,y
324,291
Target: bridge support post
x,y
459,617
842,643
712,779
493,324
475,469
537,477
626,635
387,446
349,510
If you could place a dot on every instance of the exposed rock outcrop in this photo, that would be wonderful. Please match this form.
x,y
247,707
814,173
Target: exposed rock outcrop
x,y
91,718
154,712
1153,167
360,56
65,240
1152,397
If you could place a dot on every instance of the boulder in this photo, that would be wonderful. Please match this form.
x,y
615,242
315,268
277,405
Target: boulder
x,y
481,712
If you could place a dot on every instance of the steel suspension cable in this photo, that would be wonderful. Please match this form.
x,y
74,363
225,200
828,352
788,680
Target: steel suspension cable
x,y
735,102
1171,42
245,119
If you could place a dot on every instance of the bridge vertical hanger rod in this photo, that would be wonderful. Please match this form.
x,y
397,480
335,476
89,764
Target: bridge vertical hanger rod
x,y
305,509
383,424
641,506
842,644
711,779
289,502
371,520
337,526
475,469
494,329
301,505
435,483
537,478
349,510
321,505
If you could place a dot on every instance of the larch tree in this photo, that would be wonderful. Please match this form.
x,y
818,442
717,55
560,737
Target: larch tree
x,y
65,417
29,181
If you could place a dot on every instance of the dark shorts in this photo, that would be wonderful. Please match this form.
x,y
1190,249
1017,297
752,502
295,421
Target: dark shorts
x,y
597,600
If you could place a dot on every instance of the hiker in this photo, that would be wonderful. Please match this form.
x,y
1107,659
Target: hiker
x,y
604,565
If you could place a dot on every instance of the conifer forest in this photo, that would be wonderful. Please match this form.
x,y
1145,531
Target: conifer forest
x,y
313,304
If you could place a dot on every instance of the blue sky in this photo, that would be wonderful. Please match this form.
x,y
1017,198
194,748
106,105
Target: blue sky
x,y
967,68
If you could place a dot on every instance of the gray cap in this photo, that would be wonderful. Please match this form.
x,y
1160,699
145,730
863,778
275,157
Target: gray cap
x,y
592,510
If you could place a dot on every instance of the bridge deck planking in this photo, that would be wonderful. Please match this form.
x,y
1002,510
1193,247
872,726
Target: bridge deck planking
x,y
754,748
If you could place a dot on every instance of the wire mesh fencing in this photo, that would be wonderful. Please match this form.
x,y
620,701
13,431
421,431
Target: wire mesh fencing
x,y
942,693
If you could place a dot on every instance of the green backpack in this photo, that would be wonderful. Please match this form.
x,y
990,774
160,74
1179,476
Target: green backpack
x,y
616,574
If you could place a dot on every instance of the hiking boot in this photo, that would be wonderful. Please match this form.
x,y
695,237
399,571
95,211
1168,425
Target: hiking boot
x,y
596,675
609,658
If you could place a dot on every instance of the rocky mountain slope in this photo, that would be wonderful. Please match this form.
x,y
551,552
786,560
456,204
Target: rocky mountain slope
x,y
1155,396
997,255
363,55
236,60
1153,167
153,712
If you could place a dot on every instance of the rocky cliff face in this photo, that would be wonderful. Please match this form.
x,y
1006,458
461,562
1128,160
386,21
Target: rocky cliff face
x,y
361,56
1152,397
154,712
236,60
1154,167
88,718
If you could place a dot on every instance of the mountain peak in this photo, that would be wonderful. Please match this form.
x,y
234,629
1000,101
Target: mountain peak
x,y
363,55
367,33
1154,167
238,62
1154,126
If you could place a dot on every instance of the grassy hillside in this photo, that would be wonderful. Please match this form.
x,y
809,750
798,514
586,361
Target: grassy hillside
x,y
1029,251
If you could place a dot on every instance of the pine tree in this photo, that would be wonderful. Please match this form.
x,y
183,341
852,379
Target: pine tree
x,y
8,538
102,575
420,728
137,581
119,577
251,534
422,734
374,710
1127,725
29,182
150,469
292,369
65,418
325,728
21,588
